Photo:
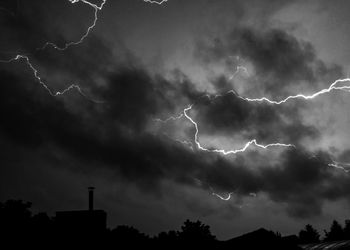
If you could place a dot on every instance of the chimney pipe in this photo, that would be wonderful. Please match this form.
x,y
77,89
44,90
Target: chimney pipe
x,y
91,198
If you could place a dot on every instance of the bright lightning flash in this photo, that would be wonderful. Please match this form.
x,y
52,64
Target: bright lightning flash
x,y
222,197
36,75
342,166
331,88
66,46
96,8
222,151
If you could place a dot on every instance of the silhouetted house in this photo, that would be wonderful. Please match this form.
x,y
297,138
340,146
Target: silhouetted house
x,y
260,239
333,245
83,222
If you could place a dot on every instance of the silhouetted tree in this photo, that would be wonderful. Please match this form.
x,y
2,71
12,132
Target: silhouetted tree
x,y
171,236
15,216
22,229
347,230
309,235
336,232
196,232
129,235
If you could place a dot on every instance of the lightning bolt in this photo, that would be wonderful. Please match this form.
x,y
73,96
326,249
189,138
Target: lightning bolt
x,y
229,196
66,46
334,86
222,197
97,9
222,151
340,165
36,75
171,118
89,29
331,88
156,2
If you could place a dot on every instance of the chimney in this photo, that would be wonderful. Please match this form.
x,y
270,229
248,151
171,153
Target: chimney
x,y
91,198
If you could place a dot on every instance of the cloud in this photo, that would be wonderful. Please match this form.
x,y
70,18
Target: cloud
x,y
230,116
281,63
115,135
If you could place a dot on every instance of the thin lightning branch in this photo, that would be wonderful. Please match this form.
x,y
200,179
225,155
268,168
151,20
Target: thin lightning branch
x,y
222,151
67,45
96,8
171,118
156,2
36,75
343,163
239,68
222,197
340,165
184,142
331,88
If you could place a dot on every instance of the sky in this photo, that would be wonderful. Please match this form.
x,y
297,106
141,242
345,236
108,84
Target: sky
x,y
235,113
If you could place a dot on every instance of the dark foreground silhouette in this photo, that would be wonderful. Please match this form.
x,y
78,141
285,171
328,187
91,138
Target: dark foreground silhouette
x,y
87,229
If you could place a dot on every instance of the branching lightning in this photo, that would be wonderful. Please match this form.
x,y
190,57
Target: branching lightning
x,y
36,75
97,9
171,118
334,86
89,29
66,46
222,151
156,2
331,88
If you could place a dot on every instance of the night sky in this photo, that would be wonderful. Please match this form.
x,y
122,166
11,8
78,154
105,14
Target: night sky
x,y
166,116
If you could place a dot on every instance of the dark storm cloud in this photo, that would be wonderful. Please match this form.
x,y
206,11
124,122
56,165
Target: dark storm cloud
x,y
231,115
279,59
30,27
111,139
110,134
133,97
301,182
114,134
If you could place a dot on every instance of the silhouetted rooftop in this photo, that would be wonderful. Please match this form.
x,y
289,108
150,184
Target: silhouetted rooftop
x,y
84,220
